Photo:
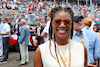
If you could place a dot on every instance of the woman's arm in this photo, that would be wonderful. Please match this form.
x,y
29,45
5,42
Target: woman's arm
x,y
86,57
37,59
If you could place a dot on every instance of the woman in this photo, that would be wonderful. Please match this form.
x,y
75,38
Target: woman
x,y
95,29
60,51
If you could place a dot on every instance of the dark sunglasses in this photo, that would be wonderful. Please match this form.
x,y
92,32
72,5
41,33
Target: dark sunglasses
x,y
66,22
80,20
94,27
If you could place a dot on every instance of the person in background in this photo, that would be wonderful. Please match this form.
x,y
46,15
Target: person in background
x,y
93,20
95,29
60,49
94,48
5,34
1,42
78,34
33,26
39,30
45,32
18,29
23,43
11,27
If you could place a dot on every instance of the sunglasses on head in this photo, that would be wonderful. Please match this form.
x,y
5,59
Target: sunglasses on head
x,y
66,22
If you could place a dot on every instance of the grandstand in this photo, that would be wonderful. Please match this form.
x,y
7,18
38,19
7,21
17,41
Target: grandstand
x,y
33,11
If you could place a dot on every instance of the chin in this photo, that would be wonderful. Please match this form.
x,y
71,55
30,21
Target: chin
x,y
63,36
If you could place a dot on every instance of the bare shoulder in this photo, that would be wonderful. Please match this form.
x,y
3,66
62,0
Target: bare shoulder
x,y
37,58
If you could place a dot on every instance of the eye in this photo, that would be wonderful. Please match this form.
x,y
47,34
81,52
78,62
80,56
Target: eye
x,y
67,21
58,21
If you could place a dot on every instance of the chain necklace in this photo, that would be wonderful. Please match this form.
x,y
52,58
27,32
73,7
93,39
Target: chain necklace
x,y
63,60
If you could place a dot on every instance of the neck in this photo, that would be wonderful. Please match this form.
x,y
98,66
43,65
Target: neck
x,y
62,41
23,24
86,26
79,31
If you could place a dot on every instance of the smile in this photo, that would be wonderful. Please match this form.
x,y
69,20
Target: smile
x,y
62,31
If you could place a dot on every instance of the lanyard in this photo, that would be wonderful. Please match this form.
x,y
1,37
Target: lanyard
x,y
81,41
61,56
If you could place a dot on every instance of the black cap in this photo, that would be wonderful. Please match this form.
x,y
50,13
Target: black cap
x,y
77,17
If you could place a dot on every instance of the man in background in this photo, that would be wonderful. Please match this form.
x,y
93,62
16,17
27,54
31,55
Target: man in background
x,y
1,44
5,34
94,48
23,43
39,30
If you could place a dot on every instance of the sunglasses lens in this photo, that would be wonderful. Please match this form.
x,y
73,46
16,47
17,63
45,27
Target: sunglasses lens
x,y
58,22
67,21
81,20
77,21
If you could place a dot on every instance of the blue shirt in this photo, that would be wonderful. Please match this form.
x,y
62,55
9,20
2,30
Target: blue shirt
x,y
77,37
94,48
24,35
1,26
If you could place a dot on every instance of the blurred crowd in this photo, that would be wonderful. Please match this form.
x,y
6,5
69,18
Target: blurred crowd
x,y
33,11
37,14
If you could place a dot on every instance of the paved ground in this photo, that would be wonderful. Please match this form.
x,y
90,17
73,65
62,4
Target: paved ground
x,y
15,55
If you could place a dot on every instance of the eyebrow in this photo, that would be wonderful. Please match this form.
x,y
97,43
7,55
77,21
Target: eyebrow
x,y
60,19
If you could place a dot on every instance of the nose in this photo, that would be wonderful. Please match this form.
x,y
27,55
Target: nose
x,y
62,24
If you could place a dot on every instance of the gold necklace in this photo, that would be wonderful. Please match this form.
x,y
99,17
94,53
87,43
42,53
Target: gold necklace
x,y
61,56
64,58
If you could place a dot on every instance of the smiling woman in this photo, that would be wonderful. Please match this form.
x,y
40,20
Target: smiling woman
x,y
62,26
60,51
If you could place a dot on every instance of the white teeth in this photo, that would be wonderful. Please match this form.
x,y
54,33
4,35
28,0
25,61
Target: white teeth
x,y
61,31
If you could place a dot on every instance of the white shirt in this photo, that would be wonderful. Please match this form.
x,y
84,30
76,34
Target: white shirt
x,y
38,31
93,23
6,28
46,29
77,55
15,0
